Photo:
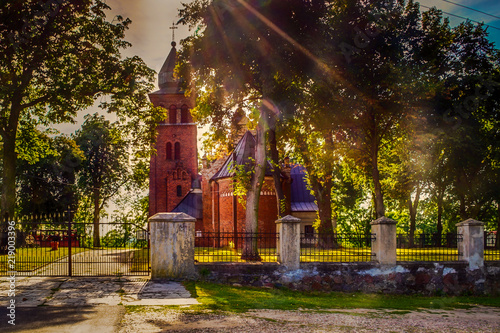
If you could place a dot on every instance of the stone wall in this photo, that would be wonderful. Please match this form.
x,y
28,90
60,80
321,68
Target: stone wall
x,y
451,278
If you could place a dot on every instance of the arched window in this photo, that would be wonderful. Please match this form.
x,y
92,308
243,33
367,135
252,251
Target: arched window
x,y
172,114
179,191
184,114
169,151
177,151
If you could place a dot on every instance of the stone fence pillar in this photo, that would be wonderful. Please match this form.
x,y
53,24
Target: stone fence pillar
x,y
384,245
172,245
471,247
289,242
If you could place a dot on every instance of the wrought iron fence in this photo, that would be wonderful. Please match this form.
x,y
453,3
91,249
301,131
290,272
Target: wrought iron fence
x,y
235,247
491,247
336,247
59,247
428,247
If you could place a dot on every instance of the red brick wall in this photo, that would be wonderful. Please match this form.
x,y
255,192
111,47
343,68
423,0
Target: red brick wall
x,y
165,175
268,213
209,200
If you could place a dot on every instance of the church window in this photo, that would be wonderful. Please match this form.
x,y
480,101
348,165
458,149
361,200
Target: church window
x,y
169,150
179,191
184,114
172,114
177,151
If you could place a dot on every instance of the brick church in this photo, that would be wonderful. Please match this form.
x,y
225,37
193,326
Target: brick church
x,y
175,185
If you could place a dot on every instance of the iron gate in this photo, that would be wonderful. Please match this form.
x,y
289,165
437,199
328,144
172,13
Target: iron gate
x,y
74,249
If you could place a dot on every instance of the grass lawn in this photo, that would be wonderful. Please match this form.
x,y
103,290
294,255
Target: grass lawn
x,y
240,299
428,254
491,255
225,254
343,254
140,260
28,259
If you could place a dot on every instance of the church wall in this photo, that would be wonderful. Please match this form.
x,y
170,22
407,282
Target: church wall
x,y
163,192
268,213
210,194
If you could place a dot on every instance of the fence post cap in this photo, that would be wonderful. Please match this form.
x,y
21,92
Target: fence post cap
x,y
383,220
289,219
171,217
470,222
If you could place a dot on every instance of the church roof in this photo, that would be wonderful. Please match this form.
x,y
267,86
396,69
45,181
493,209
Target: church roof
x,y
243,154
191,204
167,83
302,200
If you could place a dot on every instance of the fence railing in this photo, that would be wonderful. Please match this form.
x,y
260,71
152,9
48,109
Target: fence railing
x,y
428,247
338,247
491,247
235,247
65,248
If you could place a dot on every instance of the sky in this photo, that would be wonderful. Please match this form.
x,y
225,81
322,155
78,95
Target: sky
x,y
150,35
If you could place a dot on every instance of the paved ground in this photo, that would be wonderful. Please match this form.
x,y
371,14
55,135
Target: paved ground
x,y
154,319
95,305
80,304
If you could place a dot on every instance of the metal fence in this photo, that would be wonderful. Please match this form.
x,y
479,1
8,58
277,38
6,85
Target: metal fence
x,y
59,248
428,247
335,247
491,247
235,247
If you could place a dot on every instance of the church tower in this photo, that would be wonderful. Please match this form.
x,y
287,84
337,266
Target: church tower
x,y
174,167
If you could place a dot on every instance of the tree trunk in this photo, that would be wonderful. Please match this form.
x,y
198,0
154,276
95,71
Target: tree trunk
x,y
250,246
327,226
439,235
280,195
413,214
8,200
497,240
97,211
463,210
377,187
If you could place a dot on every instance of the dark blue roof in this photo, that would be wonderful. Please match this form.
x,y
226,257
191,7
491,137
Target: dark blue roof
x,y
302,199
244,154
191,204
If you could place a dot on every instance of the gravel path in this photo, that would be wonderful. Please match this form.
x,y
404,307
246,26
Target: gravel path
x,y
157,319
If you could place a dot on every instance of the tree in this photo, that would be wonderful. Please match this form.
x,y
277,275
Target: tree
x,y
56,58
465,111
236,59
47,183
105,168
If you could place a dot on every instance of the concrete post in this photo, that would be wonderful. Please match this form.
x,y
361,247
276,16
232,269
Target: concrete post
x,y
384,245
289,242
172,245
471,247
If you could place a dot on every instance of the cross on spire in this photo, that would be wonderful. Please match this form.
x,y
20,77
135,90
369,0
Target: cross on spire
x,y
173,27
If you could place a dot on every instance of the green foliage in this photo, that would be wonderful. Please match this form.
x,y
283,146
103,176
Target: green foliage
x,y
47,173
241,299
57,58
242,176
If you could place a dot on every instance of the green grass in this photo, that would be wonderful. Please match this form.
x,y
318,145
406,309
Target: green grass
x,y
344,254
240,299
428,254
28,259
227,254
491,255
140,260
